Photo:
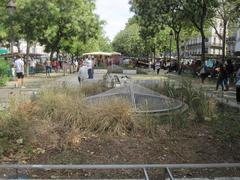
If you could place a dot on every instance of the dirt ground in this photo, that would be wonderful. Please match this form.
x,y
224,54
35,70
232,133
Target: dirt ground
x,y
197,144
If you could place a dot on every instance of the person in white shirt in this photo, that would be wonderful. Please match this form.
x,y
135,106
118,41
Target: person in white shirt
x,y
158,66
19,65
82,73
32,66
90,67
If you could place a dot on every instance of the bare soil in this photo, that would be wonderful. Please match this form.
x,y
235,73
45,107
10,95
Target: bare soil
x,y
197,144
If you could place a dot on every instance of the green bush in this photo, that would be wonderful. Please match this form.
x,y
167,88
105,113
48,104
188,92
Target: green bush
x,y
197,101
4,68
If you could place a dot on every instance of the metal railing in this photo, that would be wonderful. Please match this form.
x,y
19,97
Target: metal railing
x,y
166,167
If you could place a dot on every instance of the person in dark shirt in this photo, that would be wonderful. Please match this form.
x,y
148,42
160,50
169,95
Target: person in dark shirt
x,y
222,76
230,71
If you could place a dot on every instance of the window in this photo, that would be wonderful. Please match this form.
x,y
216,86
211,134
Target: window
x,y
206,50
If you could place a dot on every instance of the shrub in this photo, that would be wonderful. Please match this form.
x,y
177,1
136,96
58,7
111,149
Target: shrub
x,y
4,68
197,100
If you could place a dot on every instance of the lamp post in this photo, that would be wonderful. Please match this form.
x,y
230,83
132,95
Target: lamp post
x,y
171,35
11,7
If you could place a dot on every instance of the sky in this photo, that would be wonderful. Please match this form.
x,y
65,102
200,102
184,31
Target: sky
x,y
116,14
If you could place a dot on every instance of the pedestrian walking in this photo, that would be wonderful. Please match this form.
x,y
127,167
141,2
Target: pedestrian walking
x,y
158,66
90,67
33,66
230,70
19,65
82,73
48,67
222,76
238,85
203,73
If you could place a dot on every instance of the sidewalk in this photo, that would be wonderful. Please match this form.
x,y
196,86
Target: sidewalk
x,y
34,83
226,97
31,83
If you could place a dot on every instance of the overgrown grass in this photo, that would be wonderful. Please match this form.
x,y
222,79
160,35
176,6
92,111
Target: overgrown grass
x,y
197,100
223,119
60,118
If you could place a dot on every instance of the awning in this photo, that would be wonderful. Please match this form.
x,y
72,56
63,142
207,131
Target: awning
x,y
3,51
102,53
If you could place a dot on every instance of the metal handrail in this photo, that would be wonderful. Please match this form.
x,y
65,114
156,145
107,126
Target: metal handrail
x,y
144,167
121,166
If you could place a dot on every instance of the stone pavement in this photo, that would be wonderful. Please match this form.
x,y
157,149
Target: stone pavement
x,y
31,83
34,83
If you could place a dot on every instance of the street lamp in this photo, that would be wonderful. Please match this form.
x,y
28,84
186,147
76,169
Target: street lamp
x,y
171,35
11,7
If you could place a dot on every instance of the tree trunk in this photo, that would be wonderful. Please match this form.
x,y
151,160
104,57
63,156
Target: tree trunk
x,y
154,53
177,38
57,55
224,41
51,55
18,47
27,57
203,45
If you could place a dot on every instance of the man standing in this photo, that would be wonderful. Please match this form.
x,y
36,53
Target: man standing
x,y
158,66
90,66
32,66
19,65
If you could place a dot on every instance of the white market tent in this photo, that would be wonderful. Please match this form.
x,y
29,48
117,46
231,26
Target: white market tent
x,y
106,58
102,53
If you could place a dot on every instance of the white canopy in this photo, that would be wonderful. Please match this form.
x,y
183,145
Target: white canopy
x,y
101,53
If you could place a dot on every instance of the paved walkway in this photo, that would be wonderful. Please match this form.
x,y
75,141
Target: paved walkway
x,y
227,97
35,83
32,84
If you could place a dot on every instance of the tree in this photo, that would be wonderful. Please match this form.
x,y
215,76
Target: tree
x,y
147,18
64,21
128,41
199,12
227,12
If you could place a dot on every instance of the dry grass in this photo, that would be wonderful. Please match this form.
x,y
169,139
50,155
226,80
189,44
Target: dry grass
x,y
113,116
60,118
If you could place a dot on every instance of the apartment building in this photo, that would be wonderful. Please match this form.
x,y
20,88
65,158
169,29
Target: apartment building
x,y
36,48
213,44
237,47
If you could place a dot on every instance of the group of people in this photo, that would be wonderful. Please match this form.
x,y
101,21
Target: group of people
x,y
165,65
224,73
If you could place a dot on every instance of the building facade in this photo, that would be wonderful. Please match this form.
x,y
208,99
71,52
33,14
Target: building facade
x,y
237,47
36,48
213,44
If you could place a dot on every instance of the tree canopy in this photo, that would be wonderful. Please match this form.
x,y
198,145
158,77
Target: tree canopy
x,y
59,25
128,41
